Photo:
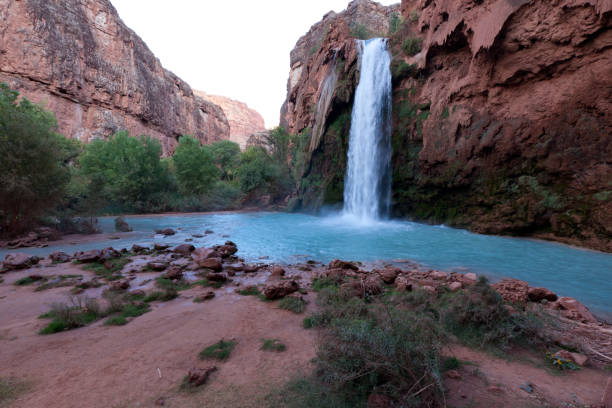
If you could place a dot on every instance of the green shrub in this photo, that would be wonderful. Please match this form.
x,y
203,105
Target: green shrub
x,y
360,31
395,22
412,46
250,291
219,351
28,280
292,304
273,345
80,312
164,296
226,156
170,285
116,321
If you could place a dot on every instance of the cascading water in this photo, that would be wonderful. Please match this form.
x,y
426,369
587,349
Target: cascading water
x,y
367,192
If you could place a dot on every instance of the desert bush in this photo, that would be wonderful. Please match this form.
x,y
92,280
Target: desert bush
x,y
273,345
412,46
77,313
11,388
293,304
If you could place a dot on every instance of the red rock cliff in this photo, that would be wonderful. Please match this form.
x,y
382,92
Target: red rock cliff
x,y
80,60
243,120
502,117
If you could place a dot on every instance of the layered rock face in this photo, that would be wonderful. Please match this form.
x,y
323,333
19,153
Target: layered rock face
x,y
78,59
243,121
502,118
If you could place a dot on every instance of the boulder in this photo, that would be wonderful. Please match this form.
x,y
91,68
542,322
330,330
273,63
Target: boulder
x,y
215,264
165,232
455,286
280,289
338,264
429,289
120,285
19,261
184,249
109,253
373,285
60,257
250,268
277,271
121,225
438,275
402,284
204,253
174,273
226,250
512,290
540,294
388,275
88,256
198,376
235,267
137,249
216,277
574,310
206,296
471,277
161,247
157,266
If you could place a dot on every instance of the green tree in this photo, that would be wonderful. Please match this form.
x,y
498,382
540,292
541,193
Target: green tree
x,y
125,170
34,161
257,171
194,166
226,155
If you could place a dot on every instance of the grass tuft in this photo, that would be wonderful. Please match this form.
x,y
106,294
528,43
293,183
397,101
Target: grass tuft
x,y
273,345
220,350
293,304
11,388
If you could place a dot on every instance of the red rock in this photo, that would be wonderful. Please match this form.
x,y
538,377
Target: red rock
x,y
88,256
471,277
539,294
157,266
454,286
161,247
512,290
280,289
60,257
373,285
249,268
120,285
402,284
574,310
429,289
216,277
338,264
204,253
198,376
577,358
438,275
226,250
19,261
277,271
211,263
184,249
174,273
388,275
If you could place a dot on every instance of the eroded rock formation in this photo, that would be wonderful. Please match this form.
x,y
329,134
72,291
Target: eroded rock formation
x,y
502,116
243,120
82,62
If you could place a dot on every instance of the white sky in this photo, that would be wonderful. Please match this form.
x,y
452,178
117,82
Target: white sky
x,y
238,48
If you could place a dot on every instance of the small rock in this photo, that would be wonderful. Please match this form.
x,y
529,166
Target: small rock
x,y
429,289
197,235
117,286
88,256
216,277
388,275
174,273
208,232
139,249
576,358
402,284
138,292
373,285
161,247
121,225
165,232
198,376
235,267
250,268
471,277
574,310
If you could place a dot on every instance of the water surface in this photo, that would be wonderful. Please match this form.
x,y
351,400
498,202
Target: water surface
x,y
583,274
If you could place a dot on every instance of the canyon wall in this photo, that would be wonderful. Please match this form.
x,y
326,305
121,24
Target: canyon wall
x,y
78,59
243,121
502,116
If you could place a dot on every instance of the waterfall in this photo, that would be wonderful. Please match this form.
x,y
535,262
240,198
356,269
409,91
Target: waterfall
x,y
367,192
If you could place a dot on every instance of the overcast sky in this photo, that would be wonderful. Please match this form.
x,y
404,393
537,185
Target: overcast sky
x,y
238,48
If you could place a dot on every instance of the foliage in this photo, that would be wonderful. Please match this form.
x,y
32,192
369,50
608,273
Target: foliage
x,y
226,155
273,345
250,291
293,304
259,173
164,296
78,313
11,388
360,31
395,22
560,364
126,170
128,311
194,166
34,164
412,46
219,351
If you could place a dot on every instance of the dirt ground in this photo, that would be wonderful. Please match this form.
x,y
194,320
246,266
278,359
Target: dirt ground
x,y
137,364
